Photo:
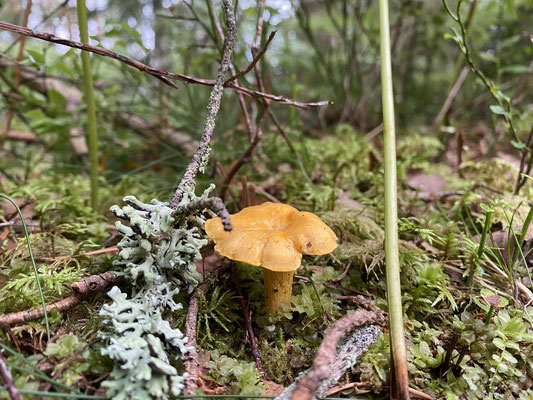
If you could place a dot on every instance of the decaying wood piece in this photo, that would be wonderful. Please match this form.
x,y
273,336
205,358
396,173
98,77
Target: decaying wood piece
x,y
82,290
361,329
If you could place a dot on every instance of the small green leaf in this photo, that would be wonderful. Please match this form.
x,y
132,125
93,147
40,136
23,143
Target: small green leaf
x,y
486,208
518,145
37,56
498,110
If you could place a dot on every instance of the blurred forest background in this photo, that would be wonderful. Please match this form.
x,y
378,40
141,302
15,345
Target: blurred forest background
x,y
321,51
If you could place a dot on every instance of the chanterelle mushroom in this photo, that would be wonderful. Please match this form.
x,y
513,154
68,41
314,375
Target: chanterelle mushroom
x,y
273,236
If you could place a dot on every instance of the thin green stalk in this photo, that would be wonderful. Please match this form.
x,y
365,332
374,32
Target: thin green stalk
x,y
394,294
489,315
481,248
486,227
92,132
310,277
32,262
523,234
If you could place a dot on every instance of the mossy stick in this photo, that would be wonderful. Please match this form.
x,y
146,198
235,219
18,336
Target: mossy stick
x,y
394,295
92,133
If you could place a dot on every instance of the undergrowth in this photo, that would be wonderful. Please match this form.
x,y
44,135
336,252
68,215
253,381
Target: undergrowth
x,y
458,348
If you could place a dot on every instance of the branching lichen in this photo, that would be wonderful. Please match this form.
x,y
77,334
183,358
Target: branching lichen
x,y
157,255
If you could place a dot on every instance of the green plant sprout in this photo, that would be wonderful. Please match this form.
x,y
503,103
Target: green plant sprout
x,y
398,350
37,280
92,130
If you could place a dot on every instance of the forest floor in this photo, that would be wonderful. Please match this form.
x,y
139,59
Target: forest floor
x,y
468,306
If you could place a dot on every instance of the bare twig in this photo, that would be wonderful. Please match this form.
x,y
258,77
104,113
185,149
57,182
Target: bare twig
x,y
248,322
20,136
257,57
192,366
107,250
243,159
451,97
16,78
200,158
8,379
160,74
82,290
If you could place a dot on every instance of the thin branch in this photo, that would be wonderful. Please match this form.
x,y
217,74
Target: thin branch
x,y
451,96
200,158
16,78
192,366
82,290
160,74
8,379
254,61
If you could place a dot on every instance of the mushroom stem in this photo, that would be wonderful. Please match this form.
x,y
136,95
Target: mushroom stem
x,y
278,290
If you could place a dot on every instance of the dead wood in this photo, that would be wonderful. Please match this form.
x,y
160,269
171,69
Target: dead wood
x,y
330,362
83,289
160,74
192,365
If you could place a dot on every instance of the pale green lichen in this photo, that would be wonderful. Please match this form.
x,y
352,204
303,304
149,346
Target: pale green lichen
x,y
157,254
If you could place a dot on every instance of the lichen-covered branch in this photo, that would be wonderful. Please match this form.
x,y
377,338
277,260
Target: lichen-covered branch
x,y
359,330
83,289
192,365
214,204
201,157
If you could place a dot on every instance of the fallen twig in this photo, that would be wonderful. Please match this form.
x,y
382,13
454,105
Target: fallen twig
x,y
329,364
160,74
8,379
82,290
107,250
248,322
21,136
192,366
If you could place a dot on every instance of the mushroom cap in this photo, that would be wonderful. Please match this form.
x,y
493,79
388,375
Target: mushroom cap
x,y
272,235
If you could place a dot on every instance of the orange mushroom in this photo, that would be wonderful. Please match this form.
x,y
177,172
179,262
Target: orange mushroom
x,y
273,236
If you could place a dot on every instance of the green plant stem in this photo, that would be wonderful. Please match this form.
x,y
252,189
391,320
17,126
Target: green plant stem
x,y
523,234
484,232
481,248
460,56
394,295
32,261
468,56
92,132
489,315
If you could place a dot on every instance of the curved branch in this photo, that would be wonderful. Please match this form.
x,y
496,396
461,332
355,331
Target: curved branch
x,y
160,74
